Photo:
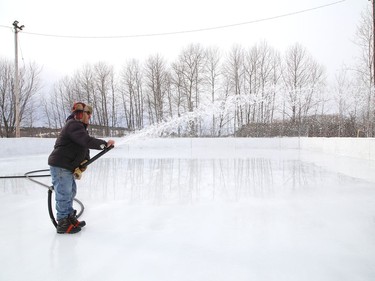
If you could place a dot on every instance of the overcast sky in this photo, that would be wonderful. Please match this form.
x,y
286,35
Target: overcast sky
x,y
325,27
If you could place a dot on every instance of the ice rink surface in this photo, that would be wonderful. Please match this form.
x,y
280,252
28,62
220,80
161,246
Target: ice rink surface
x,y
178,211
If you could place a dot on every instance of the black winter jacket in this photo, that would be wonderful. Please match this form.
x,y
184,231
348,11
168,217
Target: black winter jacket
x,y
72,146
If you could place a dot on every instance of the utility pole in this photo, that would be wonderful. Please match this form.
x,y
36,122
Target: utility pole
x,y
373,56
16,79
373,38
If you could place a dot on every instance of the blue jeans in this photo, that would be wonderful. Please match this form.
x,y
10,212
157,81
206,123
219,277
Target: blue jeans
x,y
65,190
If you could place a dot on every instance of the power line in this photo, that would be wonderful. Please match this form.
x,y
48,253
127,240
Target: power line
x,y
186,31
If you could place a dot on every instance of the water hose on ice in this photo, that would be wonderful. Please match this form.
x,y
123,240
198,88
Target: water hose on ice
x,y
30,176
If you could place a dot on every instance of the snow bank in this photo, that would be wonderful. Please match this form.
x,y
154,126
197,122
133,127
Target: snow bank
x,y
25,146
361,148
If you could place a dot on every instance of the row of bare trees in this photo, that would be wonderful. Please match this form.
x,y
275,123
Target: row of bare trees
x,y
260,83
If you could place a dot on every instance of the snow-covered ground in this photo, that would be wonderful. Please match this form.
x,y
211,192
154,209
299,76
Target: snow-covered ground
x,y
195,209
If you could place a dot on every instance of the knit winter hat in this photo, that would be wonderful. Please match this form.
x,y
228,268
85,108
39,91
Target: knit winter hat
x,y
88,109
77,109
78,106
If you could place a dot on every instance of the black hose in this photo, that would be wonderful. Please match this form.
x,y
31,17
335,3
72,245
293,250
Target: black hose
x,y
22,177
50,212
29,176
50,189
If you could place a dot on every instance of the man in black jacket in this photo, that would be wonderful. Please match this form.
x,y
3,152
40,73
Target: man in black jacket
x,y
71,149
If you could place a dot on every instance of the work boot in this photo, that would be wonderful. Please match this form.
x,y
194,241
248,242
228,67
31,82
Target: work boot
x,y
66,226
75,221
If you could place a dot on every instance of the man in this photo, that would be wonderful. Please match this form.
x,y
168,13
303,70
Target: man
x,y
71,149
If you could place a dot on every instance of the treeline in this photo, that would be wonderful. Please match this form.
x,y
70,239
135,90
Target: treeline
x,y
244,92
257,85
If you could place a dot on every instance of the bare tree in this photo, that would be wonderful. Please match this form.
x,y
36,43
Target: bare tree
x,y
365,71
261,76
7,100
234,72
225,117
132,95
87,83
157,88
344,97
267,80
303,77
212,77
177,86
275,83
103,98
53,106
29,85
190,65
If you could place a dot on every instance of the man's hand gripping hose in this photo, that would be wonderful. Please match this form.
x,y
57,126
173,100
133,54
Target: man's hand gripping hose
x,y
79,170
83,166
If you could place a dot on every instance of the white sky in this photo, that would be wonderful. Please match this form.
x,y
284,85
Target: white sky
x,y
328,33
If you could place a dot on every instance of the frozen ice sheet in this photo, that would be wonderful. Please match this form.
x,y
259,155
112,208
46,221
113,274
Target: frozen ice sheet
x,y
266,215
